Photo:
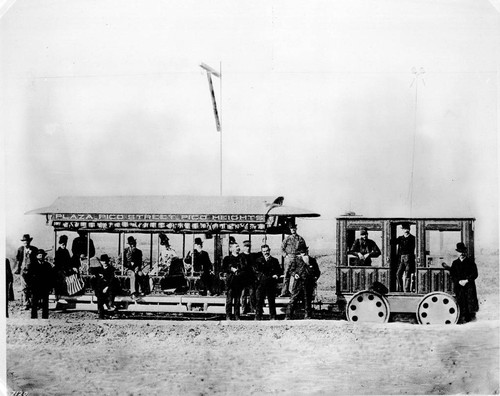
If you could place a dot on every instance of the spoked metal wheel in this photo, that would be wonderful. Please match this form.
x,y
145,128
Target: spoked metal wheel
x,y
438,308
368,306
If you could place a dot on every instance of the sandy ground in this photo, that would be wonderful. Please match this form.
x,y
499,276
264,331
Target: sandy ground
x,y
77,354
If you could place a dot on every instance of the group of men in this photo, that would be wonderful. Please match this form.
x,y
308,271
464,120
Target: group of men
x,y
39,277
254,277
364,249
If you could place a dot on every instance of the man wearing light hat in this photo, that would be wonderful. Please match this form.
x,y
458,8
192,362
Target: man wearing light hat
x,y
289,250
463,271
26,255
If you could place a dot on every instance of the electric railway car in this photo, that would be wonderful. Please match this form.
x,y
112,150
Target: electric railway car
x,y
110,220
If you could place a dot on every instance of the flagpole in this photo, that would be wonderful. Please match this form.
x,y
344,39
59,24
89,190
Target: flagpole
x,y
220,120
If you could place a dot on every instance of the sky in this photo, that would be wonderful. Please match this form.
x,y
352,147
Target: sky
x,y
318,104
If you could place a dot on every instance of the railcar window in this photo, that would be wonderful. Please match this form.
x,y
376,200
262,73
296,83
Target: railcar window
x,y
375,236
440,247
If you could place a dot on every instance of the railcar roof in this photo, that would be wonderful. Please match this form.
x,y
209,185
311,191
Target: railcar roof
x,y
363,218
174,204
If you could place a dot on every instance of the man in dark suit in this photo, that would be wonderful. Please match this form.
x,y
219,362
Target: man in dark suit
x,y
133,262
79,248
26,255
105,284
200,260
306,272
364,249
463,271
406,258
268,270
40,277
9,289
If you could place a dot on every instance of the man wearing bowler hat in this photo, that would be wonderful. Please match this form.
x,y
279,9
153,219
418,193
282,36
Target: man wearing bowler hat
x,y
26,255
305,271
133,262
40,277
463,271
200,260
406,258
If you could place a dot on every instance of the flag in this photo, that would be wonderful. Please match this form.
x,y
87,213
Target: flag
x,y
216,114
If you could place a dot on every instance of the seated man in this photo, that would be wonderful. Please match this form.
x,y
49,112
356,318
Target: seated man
x,y
200,260
364,249
105,284
133,263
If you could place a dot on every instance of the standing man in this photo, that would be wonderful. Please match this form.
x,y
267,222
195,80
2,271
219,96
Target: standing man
x,y
133,262
289,250
201,263
41,281
63,265
406,259
231,266
9,286
248,278
464,273
364,249
26,255
306,272
268,270
79,248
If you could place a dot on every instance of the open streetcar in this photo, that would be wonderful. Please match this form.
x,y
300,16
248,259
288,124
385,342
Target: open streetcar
x,y
182,218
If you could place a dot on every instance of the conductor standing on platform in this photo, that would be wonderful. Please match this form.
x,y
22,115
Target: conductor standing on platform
x,y
289,248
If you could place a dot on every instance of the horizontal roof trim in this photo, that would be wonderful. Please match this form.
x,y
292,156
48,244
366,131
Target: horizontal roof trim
x,y
171,205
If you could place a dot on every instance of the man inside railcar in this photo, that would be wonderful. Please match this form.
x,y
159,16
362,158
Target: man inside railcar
x,y
133,263
167,254
364,249
200,260
79,248
406,259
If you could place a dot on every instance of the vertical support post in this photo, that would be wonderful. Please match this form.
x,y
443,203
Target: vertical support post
x,y
192,256
151,253
122,253
55,242
88,253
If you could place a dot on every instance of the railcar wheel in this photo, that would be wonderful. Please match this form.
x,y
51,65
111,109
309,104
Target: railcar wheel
x,y
368,306
438,308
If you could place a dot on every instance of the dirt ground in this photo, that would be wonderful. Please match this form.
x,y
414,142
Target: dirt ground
x,y
77,354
